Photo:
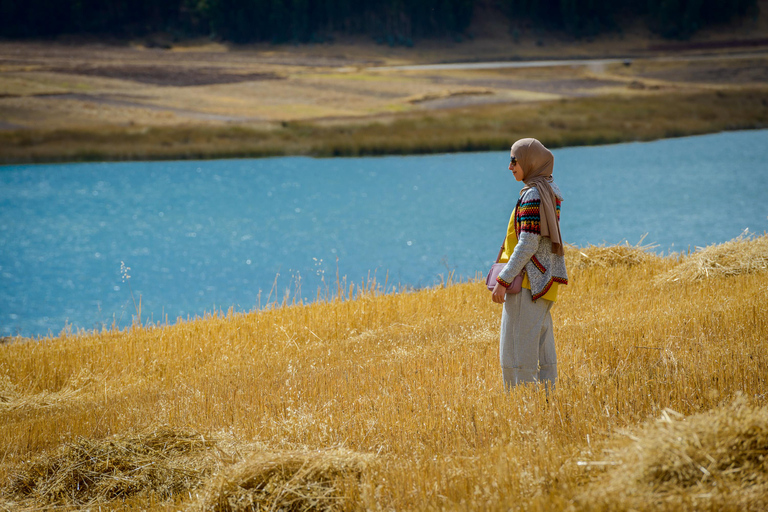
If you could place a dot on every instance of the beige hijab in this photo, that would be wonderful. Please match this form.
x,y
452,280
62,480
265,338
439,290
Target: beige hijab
x,y
537,163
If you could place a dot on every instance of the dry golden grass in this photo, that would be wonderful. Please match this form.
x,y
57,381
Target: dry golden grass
x,y
295,480
612,255
742,255
715,459
158,464
11,399
396,402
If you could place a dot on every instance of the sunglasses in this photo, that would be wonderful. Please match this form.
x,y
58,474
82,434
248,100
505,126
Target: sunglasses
x,y
513,161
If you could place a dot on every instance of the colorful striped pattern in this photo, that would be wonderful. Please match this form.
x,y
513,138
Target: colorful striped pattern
x,y
503,282
538,264
528,218
548,286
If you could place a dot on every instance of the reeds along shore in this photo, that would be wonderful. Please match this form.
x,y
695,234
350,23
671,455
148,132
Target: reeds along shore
x,y
395,401
571,122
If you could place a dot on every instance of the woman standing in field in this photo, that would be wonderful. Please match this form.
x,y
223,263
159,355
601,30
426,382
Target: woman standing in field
x,y
533,246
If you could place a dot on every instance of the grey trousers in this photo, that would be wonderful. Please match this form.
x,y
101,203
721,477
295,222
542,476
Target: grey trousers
x,y
527,345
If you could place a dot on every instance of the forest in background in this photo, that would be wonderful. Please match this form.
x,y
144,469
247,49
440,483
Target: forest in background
x,y
392,22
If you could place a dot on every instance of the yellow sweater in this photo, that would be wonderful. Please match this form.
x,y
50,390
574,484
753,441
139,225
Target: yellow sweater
x,y
509,247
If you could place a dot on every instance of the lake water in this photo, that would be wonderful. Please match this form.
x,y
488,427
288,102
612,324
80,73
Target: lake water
x,y
205,235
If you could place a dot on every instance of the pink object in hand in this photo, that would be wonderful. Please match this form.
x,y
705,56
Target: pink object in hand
x,y
490,279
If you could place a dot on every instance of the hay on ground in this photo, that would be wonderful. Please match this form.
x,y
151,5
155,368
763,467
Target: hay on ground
x,y
710,460
610,256
292,480
162,463
742,255
11,398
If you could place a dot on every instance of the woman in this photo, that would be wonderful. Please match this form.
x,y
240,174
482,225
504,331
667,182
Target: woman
x,y
533,246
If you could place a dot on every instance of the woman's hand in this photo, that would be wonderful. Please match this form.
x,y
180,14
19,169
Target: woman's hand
x,y
499,293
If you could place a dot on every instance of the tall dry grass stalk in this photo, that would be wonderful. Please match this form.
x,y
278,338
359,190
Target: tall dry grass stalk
x,y
396,402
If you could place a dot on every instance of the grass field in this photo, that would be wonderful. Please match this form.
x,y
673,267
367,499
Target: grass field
x,y
395,401
566,122
372,401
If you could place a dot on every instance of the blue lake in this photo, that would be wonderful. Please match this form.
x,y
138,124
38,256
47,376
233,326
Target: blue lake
x,y
205,235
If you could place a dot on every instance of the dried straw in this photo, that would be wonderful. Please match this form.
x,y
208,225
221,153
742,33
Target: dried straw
x,y
742,255
290,480
162,463
610,256
711,459
8,391
11,398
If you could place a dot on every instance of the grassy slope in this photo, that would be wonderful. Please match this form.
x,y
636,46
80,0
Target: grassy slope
x,y
559,123
411,379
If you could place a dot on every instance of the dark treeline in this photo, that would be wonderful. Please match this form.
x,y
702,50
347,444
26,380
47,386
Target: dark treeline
x,y
670,18
239,21
392,21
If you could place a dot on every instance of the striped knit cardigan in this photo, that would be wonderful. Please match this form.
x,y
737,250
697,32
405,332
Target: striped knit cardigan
x,y
533,251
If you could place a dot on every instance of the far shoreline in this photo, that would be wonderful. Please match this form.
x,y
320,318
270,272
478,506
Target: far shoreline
x,y
559,123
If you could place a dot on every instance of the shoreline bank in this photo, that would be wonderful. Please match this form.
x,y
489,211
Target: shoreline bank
x,y
558,123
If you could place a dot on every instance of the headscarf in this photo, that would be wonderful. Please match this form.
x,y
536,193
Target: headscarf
x,y
537,163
